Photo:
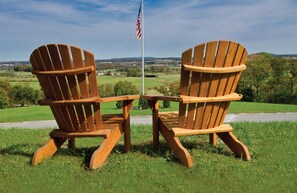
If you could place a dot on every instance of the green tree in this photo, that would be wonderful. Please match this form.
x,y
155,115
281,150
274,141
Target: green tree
x,y
133,72
106,90
280,87
142,103
124,88
256,75
5,90
4,99
291,70
37,95
168,89
23,95
6,86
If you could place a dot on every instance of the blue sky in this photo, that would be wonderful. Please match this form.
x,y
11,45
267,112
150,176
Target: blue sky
x,y
107,27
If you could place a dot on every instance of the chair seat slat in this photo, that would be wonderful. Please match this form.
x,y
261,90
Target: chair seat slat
x,y
60,133
177,132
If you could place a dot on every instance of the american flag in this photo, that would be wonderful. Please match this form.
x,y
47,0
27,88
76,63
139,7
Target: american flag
x,y
138,25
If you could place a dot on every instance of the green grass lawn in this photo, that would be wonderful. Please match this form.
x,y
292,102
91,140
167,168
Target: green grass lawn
x,y
272,168
28,79
149,83
33,113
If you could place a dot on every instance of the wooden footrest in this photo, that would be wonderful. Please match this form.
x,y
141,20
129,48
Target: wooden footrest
x,y
187,132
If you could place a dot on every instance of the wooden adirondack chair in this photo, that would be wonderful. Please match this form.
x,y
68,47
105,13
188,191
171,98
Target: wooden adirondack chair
x,y
209,76
67,76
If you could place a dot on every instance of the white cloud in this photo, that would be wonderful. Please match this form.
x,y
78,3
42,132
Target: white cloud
x,y
107,27
249,23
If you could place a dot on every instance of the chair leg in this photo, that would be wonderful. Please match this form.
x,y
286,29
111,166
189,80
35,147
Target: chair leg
x,y
212,139
48,150
181,153
71,143
100,155
238,148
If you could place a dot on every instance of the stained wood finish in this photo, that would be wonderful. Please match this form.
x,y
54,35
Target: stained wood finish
x,y
67,75
209,75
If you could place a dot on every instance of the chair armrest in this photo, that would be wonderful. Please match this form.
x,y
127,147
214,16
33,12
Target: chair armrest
x,y
118,98
163,98
87,100
229,97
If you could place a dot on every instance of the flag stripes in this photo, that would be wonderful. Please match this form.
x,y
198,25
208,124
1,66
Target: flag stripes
x,y
138,25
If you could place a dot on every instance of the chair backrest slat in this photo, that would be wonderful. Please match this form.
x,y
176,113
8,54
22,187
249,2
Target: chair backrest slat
x,y
184,83
90,61
216,54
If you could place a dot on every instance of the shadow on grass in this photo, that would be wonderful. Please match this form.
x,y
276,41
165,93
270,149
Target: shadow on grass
x,y
165,151
85,153
19,149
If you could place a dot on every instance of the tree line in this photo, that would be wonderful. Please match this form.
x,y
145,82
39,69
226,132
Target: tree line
x,y
269,79
18,95
24,95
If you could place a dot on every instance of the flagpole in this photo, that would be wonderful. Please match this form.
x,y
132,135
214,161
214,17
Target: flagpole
x,y
142,43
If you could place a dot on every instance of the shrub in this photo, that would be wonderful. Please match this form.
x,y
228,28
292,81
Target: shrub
x,y
6,86
168,89
106,90
281,98
23,95
124,88
247,93
38,95
166,104
4,99
133,72
142,104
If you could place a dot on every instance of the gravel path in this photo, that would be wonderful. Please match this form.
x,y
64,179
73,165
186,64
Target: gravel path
x,y
147,120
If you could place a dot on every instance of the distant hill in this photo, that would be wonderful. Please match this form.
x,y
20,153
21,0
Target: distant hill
x,y
137,59
277,55
286,55
148,60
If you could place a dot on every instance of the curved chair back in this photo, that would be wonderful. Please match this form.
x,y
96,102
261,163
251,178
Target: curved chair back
x,y
210,70
67,76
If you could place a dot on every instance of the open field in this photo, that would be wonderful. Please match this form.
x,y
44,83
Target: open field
x,y
30,80
272,168
34,113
